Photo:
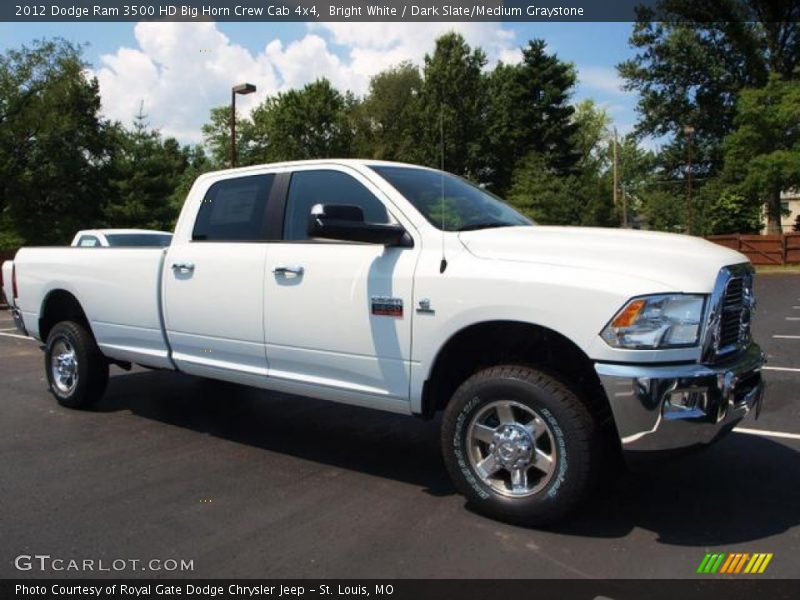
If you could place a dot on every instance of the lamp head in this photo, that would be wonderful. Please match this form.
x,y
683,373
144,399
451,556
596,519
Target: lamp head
x,y
243,88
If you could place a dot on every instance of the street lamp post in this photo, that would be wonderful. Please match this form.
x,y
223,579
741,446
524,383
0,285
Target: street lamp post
x,y
617,191
688,131
243,89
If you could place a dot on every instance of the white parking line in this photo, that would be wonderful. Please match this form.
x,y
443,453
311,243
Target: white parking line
x,y
793,318
768,433
787,337
787,369
19,337
10,329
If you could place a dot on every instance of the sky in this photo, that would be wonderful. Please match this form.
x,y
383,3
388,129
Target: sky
x,y
179,71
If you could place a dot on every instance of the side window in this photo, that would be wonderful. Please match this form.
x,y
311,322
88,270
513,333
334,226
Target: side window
x,y
88,241
234,210
308,188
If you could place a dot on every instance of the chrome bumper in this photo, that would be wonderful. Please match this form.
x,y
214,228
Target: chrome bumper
x,y
659,408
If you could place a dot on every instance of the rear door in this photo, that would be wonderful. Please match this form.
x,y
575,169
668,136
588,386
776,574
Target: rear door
x,y
338,314
214,283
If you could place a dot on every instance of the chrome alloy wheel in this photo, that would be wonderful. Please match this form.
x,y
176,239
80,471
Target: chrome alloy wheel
x,y
511,448
64,366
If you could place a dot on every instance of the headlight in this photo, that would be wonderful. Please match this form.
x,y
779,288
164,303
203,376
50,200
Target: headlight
x,y
648,322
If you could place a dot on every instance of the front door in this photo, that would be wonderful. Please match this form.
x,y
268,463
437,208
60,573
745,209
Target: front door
x,y
338,314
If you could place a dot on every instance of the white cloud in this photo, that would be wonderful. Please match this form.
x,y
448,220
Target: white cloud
x,y
602,79
373,47
411,41
510,56
305,60
179,71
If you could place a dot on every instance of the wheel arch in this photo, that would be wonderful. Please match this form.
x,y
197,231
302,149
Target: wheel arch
x,y
495,342
60,305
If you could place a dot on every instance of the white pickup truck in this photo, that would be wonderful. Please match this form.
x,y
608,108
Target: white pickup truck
x,y
410,290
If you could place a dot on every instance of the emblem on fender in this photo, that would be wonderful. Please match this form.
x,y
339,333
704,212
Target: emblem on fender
x,y
425,307
384,306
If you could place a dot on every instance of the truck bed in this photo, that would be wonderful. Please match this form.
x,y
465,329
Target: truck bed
x,y
118,288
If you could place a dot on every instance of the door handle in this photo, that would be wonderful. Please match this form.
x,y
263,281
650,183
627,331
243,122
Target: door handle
x,y
293,270
183,267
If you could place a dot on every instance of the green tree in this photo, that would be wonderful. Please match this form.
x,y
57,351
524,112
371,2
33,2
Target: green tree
x,y
693,60
217,137
54,147
638,175
664,210
197,163
452,102
730,212
147,170
592,136
389,118
639,188
313,122
529,111
544,195
592,173
584,196
762,155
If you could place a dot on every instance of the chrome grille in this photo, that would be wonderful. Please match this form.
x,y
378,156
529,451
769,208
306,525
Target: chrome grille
x,y
730,321
729,318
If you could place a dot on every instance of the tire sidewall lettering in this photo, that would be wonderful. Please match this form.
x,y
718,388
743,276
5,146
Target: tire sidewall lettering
x,y
459,445
558,435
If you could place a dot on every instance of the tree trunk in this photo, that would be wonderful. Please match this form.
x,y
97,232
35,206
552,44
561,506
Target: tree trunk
x,y
774,213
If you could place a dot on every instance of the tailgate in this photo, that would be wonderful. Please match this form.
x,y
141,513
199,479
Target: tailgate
x,y
7,296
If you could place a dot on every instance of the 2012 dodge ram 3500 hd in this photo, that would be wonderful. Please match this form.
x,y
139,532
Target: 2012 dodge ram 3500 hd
x,y
410,290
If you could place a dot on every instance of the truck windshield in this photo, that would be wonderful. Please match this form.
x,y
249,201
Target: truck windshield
x,y
461,206
158,240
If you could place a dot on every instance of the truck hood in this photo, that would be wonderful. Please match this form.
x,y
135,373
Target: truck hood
x,y
680,262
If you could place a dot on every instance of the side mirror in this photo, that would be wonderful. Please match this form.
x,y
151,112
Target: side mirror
x,y
346,222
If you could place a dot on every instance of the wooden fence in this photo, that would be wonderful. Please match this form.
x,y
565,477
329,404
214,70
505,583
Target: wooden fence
x,y
763,249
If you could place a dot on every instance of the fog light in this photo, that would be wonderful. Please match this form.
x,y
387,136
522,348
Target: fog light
x,y
685,404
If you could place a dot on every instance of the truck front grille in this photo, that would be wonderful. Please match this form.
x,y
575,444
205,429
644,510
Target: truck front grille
x,y
732,325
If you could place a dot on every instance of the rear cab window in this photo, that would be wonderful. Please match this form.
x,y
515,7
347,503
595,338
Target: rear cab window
x,y
234,210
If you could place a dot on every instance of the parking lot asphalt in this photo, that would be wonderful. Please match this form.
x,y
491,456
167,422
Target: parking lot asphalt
x,y
247,483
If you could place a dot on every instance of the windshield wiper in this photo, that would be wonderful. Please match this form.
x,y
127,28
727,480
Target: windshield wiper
x,y
474,226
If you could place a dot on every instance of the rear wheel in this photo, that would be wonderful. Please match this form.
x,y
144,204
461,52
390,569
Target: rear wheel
x,y
77,371
519,444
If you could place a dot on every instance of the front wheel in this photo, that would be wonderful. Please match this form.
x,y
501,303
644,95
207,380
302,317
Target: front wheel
x,y
77,371
519,444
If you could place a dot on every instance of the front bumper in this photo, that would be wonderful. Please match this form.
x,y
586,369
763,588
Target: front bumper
x,y
662,408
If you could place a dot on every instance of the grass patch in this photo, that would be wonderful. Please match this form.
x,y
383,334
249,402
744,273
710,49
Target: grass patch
x,y
770,269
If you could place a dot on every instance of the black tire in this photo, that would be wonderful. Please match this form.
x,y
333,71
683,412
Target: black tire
x,y
70,338
565,431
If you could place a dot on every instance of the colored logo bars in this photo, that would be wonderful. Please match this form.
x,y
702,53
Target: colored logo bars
x,y
734,563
